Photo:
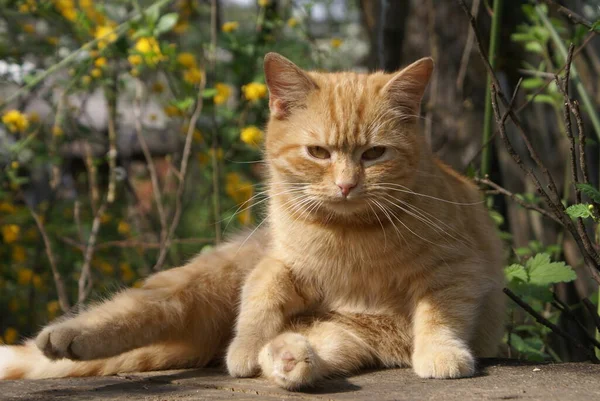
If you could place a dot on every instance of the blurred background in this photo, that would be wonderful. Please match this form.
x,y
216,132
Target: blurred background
x,y
130,134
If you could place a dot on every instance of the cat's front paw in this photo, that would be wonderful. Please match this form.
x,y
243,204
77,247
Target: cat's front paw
x,y
66,340
443,362
290,361
242,357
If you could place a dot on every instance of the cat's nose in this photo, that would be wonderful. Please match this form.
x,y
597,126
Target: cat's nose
x,y
346,187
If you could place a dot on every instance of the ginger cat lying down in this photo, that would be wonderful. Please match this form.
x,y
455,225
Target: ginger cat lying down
x,y
374,254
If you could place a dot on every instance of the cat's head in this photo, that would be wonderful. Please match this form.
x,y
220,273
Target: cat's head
x,y
337,141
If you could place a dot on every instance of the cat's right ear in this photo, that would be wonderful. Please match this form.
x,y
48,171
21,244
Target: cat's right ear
x,y
288,85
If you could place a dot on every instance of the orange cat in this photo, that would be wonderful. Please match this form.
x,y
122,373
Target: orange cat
x,y
374,254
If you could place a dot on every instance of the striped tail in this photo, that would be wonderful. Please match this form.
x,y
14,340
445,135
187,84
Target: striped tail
x,y
27,362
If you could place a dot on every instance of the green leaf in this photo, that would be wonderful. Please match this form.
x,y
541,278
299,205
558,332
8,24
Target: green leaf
x,y
184,104
596,26
208,93
496,217
580,210
515,272
523,251
521,37
541,98
590,191
533,83
152,15
543,272
166,23
534,47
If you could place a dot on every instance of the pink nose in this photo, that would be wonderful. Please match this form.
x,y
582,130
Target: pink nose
x,y
346,187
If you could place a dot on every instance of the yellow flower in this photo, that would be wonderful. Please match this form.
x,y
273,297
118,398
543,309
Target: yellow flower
x,y
223,93
6,207
150,50
53,308
105,218
11,335
15,121
106,35
292,22
126,273
57,131
96,73
19,254
105,267
10,232
123,228
33,117
29,28
230,26
264,3
53,40
252,135
100,62
138,284
37,282
135,72
158,87
198,136
14,165
193,76
24,8
24,276
336,42
86,79
254,91
188,60
135,59
172,111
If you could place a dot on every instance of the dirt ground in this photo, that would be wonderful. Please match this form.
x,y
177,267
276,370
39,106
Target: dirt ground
x,y
497,380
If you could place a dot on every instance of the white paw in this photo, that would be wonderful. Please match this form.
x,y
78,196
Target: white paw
x,y
443,362
290,361
242,358
8,359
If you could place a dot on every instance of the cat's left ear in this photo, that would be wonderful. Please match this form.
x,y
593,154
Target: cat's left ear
x,y
407,87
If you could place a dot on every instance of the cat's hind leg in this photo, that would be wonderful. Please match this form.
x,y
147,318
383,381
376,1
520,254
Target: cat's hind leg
x,y
196,302
335,345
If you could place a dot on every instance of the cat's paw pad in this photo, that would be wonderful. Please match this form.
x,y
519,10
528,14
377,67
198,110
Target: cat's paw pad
x,y
290,361
65,341
444,362
242,358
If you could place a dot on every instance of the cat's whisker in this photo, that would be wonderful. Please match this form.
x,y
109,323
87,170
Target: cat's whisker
x,y
380,223
387,214
394,187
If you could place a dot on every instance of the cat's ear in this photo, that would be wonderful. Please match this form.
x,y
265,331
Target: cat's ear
x,y
406,88
288,84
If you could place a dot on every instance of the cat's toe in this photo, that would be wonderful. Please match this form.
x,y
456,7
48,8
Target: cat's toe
x,y
444,362
56,342
65,341
242,357
290,361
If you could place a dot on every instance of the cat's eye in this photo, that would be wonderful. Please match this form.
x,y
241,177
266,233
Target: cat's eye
x,y
373,153
318,152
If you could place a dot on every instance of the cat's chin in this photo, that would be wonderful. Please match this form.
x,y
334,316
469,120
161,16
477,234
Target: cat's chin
x,y
345,207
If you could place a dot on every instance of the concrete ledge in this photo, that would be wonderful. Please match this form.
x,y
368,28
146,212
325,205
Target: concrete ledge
x,y
497,380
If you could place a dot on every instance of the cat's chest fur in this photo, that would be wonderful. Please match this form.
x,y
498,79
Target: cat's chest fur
x,y
353,271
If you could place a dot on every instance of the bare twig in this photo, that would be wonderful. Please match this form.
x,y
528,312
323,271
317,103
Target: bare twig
x,y
156,191
111,98
550,79
542,320
572,15
591,308
564,308
84,283
215,139
514,197
549,191
466,56
182,173
61,291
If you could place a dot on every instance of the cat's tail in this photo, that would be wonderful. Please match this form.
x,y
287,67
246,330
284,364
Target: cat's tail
x,y
28,362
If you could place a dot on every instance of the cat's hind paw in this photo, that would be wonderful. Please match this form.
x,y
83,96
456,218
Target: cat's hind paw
x,y
65,340
290,361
